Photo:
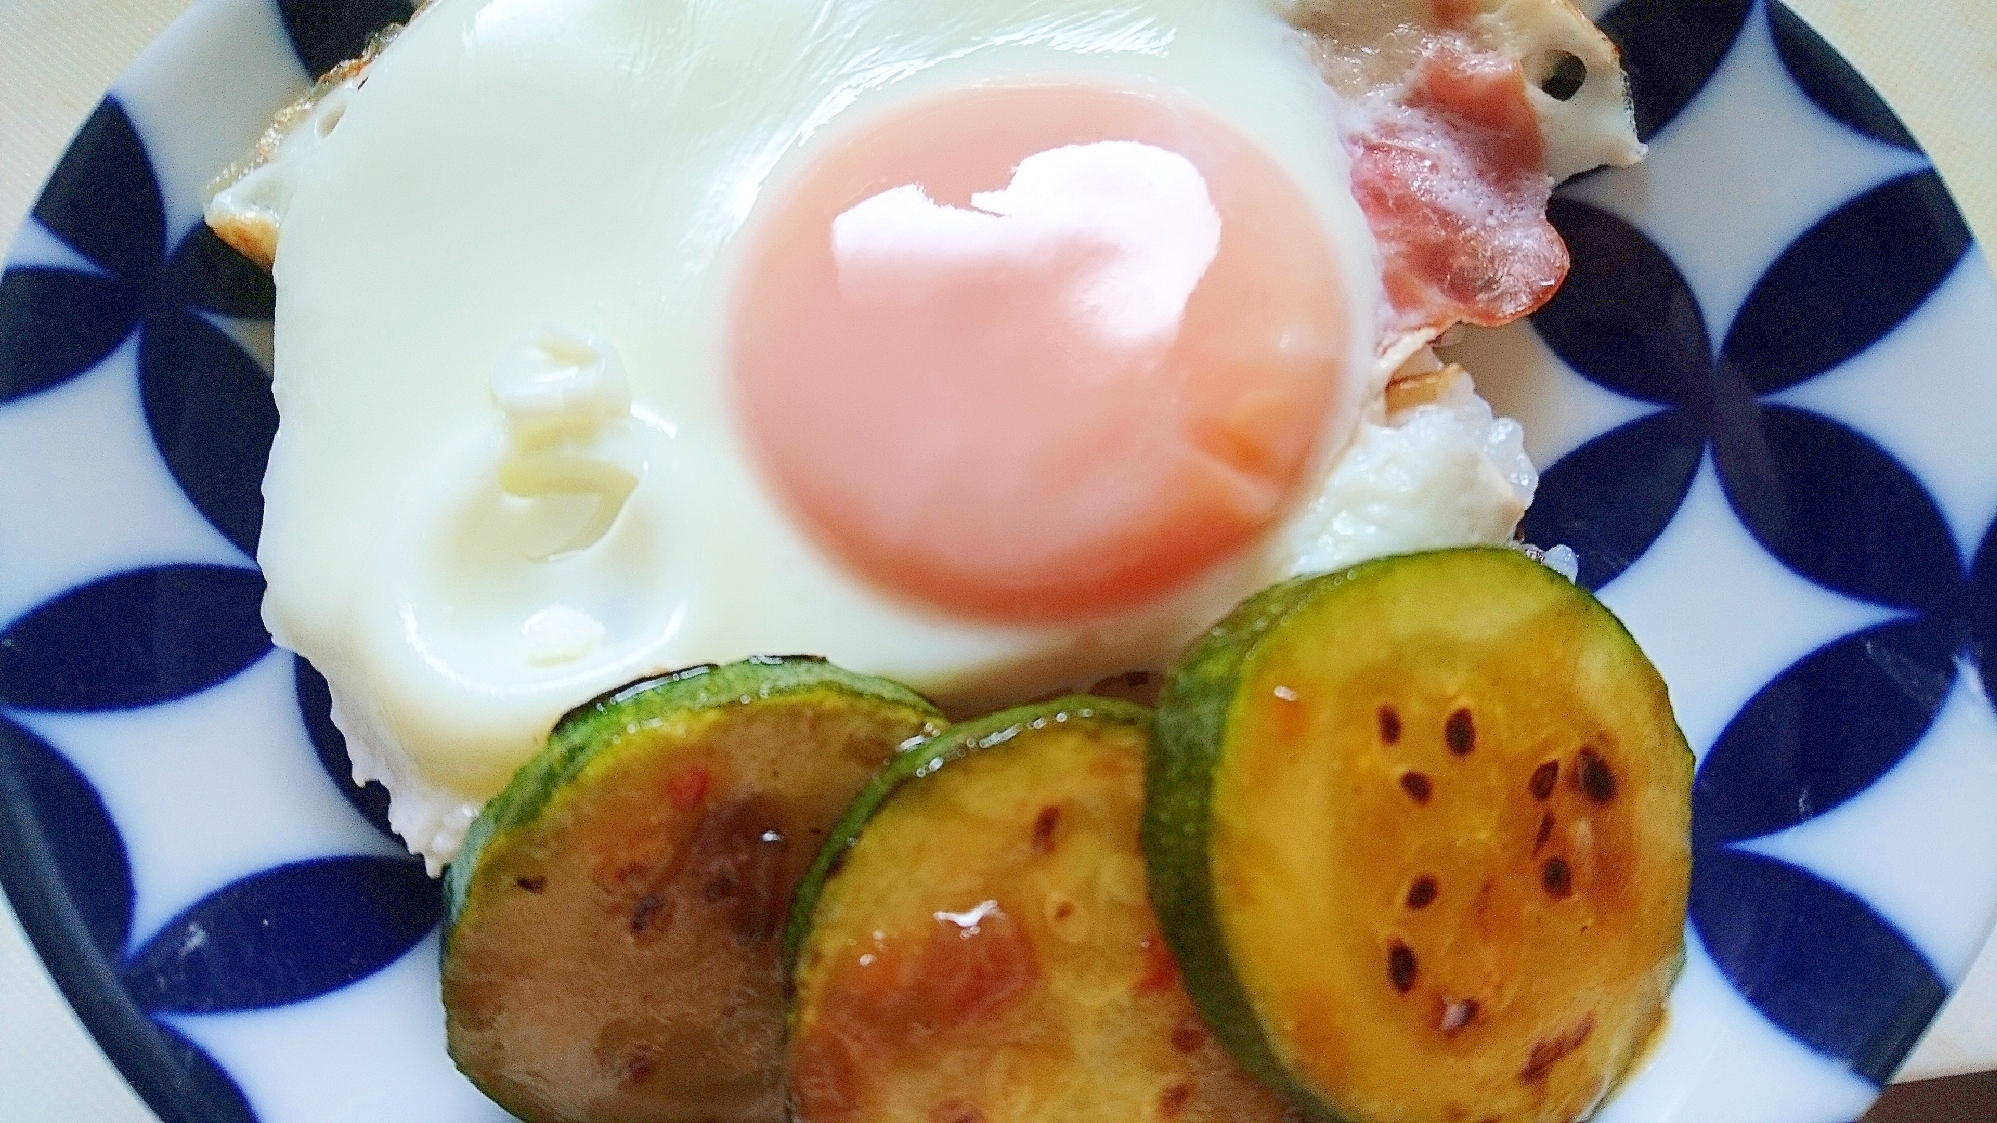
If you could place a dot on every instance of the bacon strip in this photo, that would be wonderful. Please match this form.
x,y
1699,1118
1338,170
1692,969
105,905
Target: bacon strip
x,y
1452,179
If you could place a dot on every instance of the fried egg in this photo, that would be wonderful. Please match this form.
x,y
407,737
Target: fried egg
x,y
994,347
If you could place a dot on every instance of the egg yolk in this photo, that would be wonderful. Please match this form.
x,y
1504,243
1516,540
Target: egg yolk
x,y
1039,353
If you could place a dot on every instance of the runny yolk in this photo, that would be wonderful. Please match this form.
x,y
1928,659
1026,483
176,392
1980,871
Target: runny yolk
x,y
1038,353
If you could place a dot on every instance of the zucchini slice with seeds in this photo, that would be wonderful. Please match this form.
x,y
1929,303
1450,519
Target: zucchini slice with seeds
x,y
611,941
975,944
1419,834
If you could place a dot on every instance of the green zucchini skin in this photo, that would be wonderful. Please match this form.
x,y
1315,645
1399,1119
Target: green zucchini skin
x,y
954,743
1192,735
1188,735
585,730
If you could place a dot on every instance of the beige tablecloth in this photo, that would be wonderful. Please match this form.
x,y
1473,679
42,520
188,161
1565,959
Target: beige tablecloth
x,y
1936,60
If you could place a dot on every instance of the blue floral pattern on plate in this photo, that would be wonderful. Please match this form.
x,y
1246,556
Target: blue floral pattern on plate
x,y
114,291
206,400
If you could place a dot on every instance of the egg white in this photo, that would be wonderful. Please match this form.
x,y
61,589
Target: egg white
x,y
589,170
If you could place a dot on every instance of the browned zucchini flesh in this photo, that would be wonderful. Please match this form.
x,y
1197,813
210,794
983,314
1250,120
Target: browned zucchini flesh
x,y
1419,834
612,943
975,946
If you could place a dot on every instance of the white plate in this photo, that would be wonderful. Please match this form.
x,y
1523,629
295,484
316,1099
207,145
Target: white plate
x,y
1777,465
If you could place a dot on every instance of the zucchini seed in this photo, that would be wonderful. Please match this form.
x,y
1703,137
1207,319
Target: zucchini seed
x,y
1044,826
1543,779
1557,878
1422,893
1545,831
1174,1098
531,884
1390,724
1417,786
1402,969
1592,776
1461,732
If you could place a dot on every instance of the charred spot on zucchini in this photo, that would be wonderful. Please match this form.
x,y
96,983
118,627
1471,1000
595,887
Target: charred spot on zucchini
x,y
1473,909
976,943
611,946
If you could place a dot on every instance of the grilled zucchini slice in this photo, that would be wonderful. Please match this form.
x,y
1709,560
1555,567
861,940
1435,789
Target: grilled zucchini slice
x,y
975,945
611,942
1418,833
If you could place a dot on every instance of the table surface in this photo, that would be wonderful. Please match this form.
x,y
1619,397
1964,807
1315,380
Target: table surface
x,y
1935,60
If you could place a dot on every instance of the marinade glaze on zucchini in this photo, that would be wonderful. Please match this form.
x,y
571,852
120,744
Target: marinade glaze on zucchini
x,y
612,926
975,944
1418,836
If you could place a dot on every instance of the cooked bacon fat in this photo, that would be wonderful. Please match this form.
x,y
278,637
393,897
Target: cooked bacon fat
x,y
1453,182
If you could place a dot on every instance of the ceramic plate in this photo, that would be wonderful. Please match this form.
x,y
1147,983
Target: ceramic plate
x,y
1763,404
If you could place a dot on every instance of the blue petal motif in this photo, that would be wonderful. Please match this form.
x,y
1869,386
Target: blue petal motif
x,y
1837,508
57,323
1823,731
134,639
315,705
1814,959
285,935
210,409
42,792
201,1091
1980,610
1829,80
1671,49
102,198
205,273
325,33
64,868
1847,282
1626,319
1612,497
